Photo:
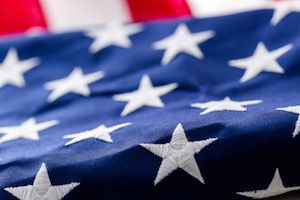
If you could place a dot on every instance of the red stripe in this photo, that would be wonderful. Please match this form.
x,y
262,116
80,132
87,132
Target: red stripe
x,y
143,10
20,15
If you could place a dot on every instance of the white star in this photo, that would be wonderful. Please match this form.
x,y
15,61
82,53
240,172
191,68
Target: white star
x,y
41,188
27,130
101,133
261,61
179,153
275,188
114,34
76,83
296,110
283,8
145,95
182,41
12,69
226,104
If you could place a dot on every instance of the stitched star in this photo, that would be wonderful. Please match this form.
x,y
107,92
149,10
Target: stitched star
x,y
42,188
182,41
275,188
226,104
145,95
101,133
179,153
27,130
12,69
296,110
262,60
76,82
114,34
282,9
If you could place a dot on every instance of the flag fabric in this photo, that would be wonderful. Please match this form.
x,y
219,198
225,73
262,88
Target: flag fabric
x,y
20,15
60,15
176,109
64,15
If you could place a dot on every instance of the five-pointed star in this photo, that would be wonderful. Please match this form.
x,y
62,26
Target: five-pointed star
x,y
76,82
41,188
179,153
113,34
101,133
27,130
12,69
275,188
283,8
182,41
226,104
296,110
261,61
145,95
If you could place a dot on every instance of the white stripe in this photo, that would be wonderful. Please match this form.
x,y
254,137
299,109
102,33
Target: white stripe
x,y
208,8
62,15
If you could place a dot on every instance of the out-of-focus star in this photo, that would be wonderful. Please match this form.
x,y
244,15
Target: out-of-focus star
x,y
145,95
282,9
76,82
12,69
182,41
262,60
114,34
101,133
27,130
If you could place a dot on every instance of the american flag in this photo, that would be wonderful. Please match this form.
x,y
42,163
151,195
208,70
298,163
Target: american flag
x,y
204,105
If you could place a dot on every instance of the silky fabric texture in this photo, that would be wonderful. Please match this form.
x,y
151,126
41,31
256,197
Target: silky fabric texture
x,y
250,145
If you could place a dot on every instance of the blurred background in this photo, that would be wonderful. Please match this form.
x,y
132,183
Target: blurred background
x,y
60,15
